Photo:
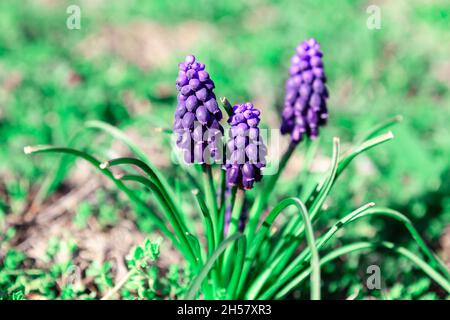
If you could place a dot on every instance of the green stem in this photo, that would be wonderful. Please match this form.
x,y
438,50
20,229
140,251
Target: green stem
x,y
223,206
240,258
228,201
263,196
233,229
237,210
195,286
119,285
210,195
209,232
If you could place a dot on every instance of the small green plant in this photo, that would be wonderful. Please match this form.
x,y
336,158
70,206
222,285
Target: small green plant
x,y
238,255
144,279
102,275
61,280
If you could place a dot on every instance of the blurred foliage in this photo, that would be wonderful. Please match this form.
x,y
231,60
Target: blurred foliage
x,y
49,88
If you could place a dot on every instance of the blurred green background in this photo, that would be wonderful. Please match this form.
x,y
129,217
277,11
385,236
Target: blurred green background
x,y
121,65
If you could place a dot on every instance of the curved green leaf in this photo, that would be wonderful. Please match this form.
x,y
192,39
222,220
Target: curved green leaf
x,y
196,284
358,246
315,276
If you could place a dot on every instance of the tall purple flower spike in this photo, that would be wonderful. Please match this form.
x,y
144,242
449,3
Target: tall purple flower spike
x,y
245,151
305,106
197,116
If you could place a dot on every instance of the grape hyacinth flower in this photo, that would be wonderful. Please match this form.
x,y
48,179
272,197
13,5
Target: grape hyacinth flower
x,y
305,107
246,151
196,125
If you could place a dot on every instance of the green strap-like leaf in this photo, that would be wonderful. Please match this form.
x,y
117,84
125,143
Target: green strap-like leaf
x,y
196,284
121,136
96,164
237,272
373,132
365,211
369,144
359,246
347,159
315,276
188,249
298,263
325,189
293,232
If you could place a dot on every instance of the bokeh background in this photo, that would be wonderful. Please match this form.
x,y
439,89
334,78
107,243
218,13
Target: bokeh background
x,y
120,67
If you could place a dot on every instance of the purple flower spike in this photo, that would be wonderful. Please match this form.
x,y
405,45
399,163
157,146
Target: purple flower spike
x,y
305,106
246,152
196,121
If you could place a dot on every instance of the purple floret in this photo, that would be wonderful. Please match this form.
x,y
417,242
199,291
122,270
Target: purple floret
x,y
305,106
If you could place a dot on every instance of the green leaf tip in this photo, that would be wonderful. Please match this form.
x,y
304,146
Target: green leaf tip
x,y
398,118
104,165
388,135
36,148
28,149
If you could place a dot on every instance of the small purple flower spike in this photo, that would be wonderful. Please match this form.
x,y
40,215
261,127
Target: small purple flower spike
x,y
305,107
246,151
197,116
